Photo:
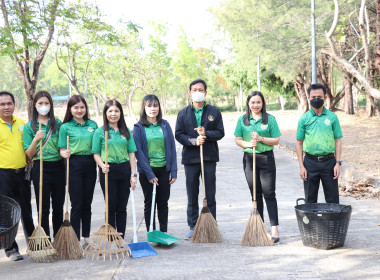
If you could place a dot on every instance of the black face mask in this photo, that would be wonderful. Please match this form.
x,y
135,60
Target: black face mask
x,y
317,103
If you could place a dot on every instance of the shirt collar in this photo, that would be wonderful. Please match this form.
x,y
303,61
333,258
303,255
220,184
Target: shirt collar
x,y
201,109
13,120
315,114
77,123
251,118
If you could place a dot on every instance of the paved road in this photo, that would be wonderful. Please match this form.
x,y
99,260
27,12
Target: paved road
x,y
358,259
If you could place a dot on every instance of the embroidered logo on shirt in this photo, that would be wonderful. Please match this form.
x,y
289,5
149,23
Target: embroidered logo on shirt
x,y
21,128
264,126
327,122
211,118
90,129
160,130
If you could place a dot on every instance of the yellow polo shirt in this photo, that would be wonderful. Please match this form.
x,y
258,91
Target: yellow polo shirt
x,y
12,155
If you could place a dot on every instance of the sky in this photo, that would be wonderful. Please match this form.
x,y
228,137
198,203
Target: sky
x,y
194,17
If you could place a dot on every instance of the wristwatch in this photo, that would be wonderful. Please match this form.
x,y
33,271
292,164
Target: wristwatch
x,y
338,161
134,175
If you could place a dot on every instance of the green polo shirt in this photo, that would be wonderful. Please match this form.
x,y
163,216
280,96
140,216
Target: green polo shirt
x,y
51,150
156,145
198,113
118,146
265,130
318,133
80,142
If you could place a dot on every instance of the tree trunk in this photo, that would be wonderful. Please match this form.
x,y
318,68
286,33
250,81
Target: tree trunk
x,y
324,80
299,86
97,106
377,50
348,97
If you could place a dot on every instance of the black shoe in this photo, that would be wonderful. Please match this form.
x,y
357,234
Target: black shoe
x,y
16,257
275,239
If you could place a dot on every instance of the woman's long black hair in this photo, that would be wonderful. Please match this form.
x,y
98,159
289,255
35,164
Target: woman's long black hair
x,y
53,121
248,111
121,123
150,99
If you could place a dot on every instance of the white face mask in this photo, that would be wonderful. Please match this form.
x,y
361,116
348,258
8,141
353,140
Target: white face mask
x,y
43,110
197,96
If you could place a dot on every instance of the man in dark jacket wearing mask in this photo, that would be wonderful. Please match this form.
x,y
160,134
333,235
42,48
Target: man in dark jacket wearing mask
x,y
319,135
199,124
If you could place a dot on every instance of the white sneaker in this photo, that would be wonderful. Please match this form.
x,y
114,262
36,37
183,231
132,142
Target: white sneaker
x,y
189,235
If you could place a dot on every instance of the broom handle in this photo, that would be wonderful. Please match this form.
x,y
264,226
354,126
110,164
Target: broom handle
x,y
203,175
106,175
67,176
153,207
254,173
41,180
135,240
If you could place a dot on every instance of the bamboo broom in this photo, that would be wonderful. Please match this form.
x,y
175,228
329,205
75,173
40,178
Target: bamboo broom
x,y
107,240
206,229
255,233
40,248
66,242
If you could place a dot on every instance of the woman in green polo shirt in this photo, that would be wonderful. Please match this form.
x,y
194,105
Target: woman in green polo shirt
x,y
80,129
259,129
53,166
121,162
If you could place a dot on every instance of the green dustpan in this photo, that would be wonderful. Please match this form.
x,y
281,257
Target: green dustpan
x,y
156,235
161,237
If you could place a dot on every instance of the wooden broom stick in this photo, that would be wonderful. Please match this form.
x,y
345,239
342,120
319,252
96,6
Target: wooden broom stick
x,y
41,181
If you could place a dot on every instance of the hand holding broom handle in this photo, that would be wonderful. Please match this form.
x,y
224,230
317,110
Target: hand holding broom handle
x,y
106,175
41,180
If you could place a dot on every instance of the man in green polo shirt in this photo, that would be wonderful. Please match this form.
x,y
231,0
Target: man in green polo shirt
x,y
319,135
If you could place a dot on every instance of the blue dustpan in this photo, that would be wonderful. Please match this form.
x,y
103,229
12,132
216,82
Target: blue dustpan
x,y
141,249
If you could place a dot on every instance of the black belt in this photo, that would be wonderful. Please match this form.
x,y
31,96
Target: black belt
x,y
320,158
19,170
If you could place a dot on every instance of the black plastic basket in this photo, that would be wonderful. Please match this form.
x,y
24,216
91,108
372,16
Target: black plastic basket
x,y
323,225
10,214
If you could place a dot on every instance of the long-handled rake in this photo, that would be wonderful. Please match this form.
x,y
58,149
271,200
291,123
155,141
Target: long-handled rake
x,y
40,248
107,240
255,233
66,242
206,229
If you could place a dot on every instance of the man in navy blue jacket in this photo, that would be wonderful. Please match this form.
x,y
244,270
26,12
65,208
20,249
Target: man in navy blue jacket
x,y
199,124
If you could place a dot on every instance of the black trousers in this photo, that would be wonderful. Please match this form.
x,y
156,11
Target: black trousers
x,y
119,183
82,179
193,172
53,186
265,183
14,186
320,171
162,197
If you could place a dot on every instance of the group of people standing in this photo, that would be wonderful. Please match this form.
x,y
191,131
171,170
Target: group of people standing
x,y
151,151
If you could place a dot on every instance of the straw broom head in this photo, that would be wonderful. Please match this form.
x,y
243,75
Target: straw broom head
x,y
255,233
66,242
206,229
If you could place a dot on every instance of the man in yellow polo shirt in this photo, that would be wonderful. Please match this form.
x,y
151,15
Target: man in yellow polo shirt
x,y
12,164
